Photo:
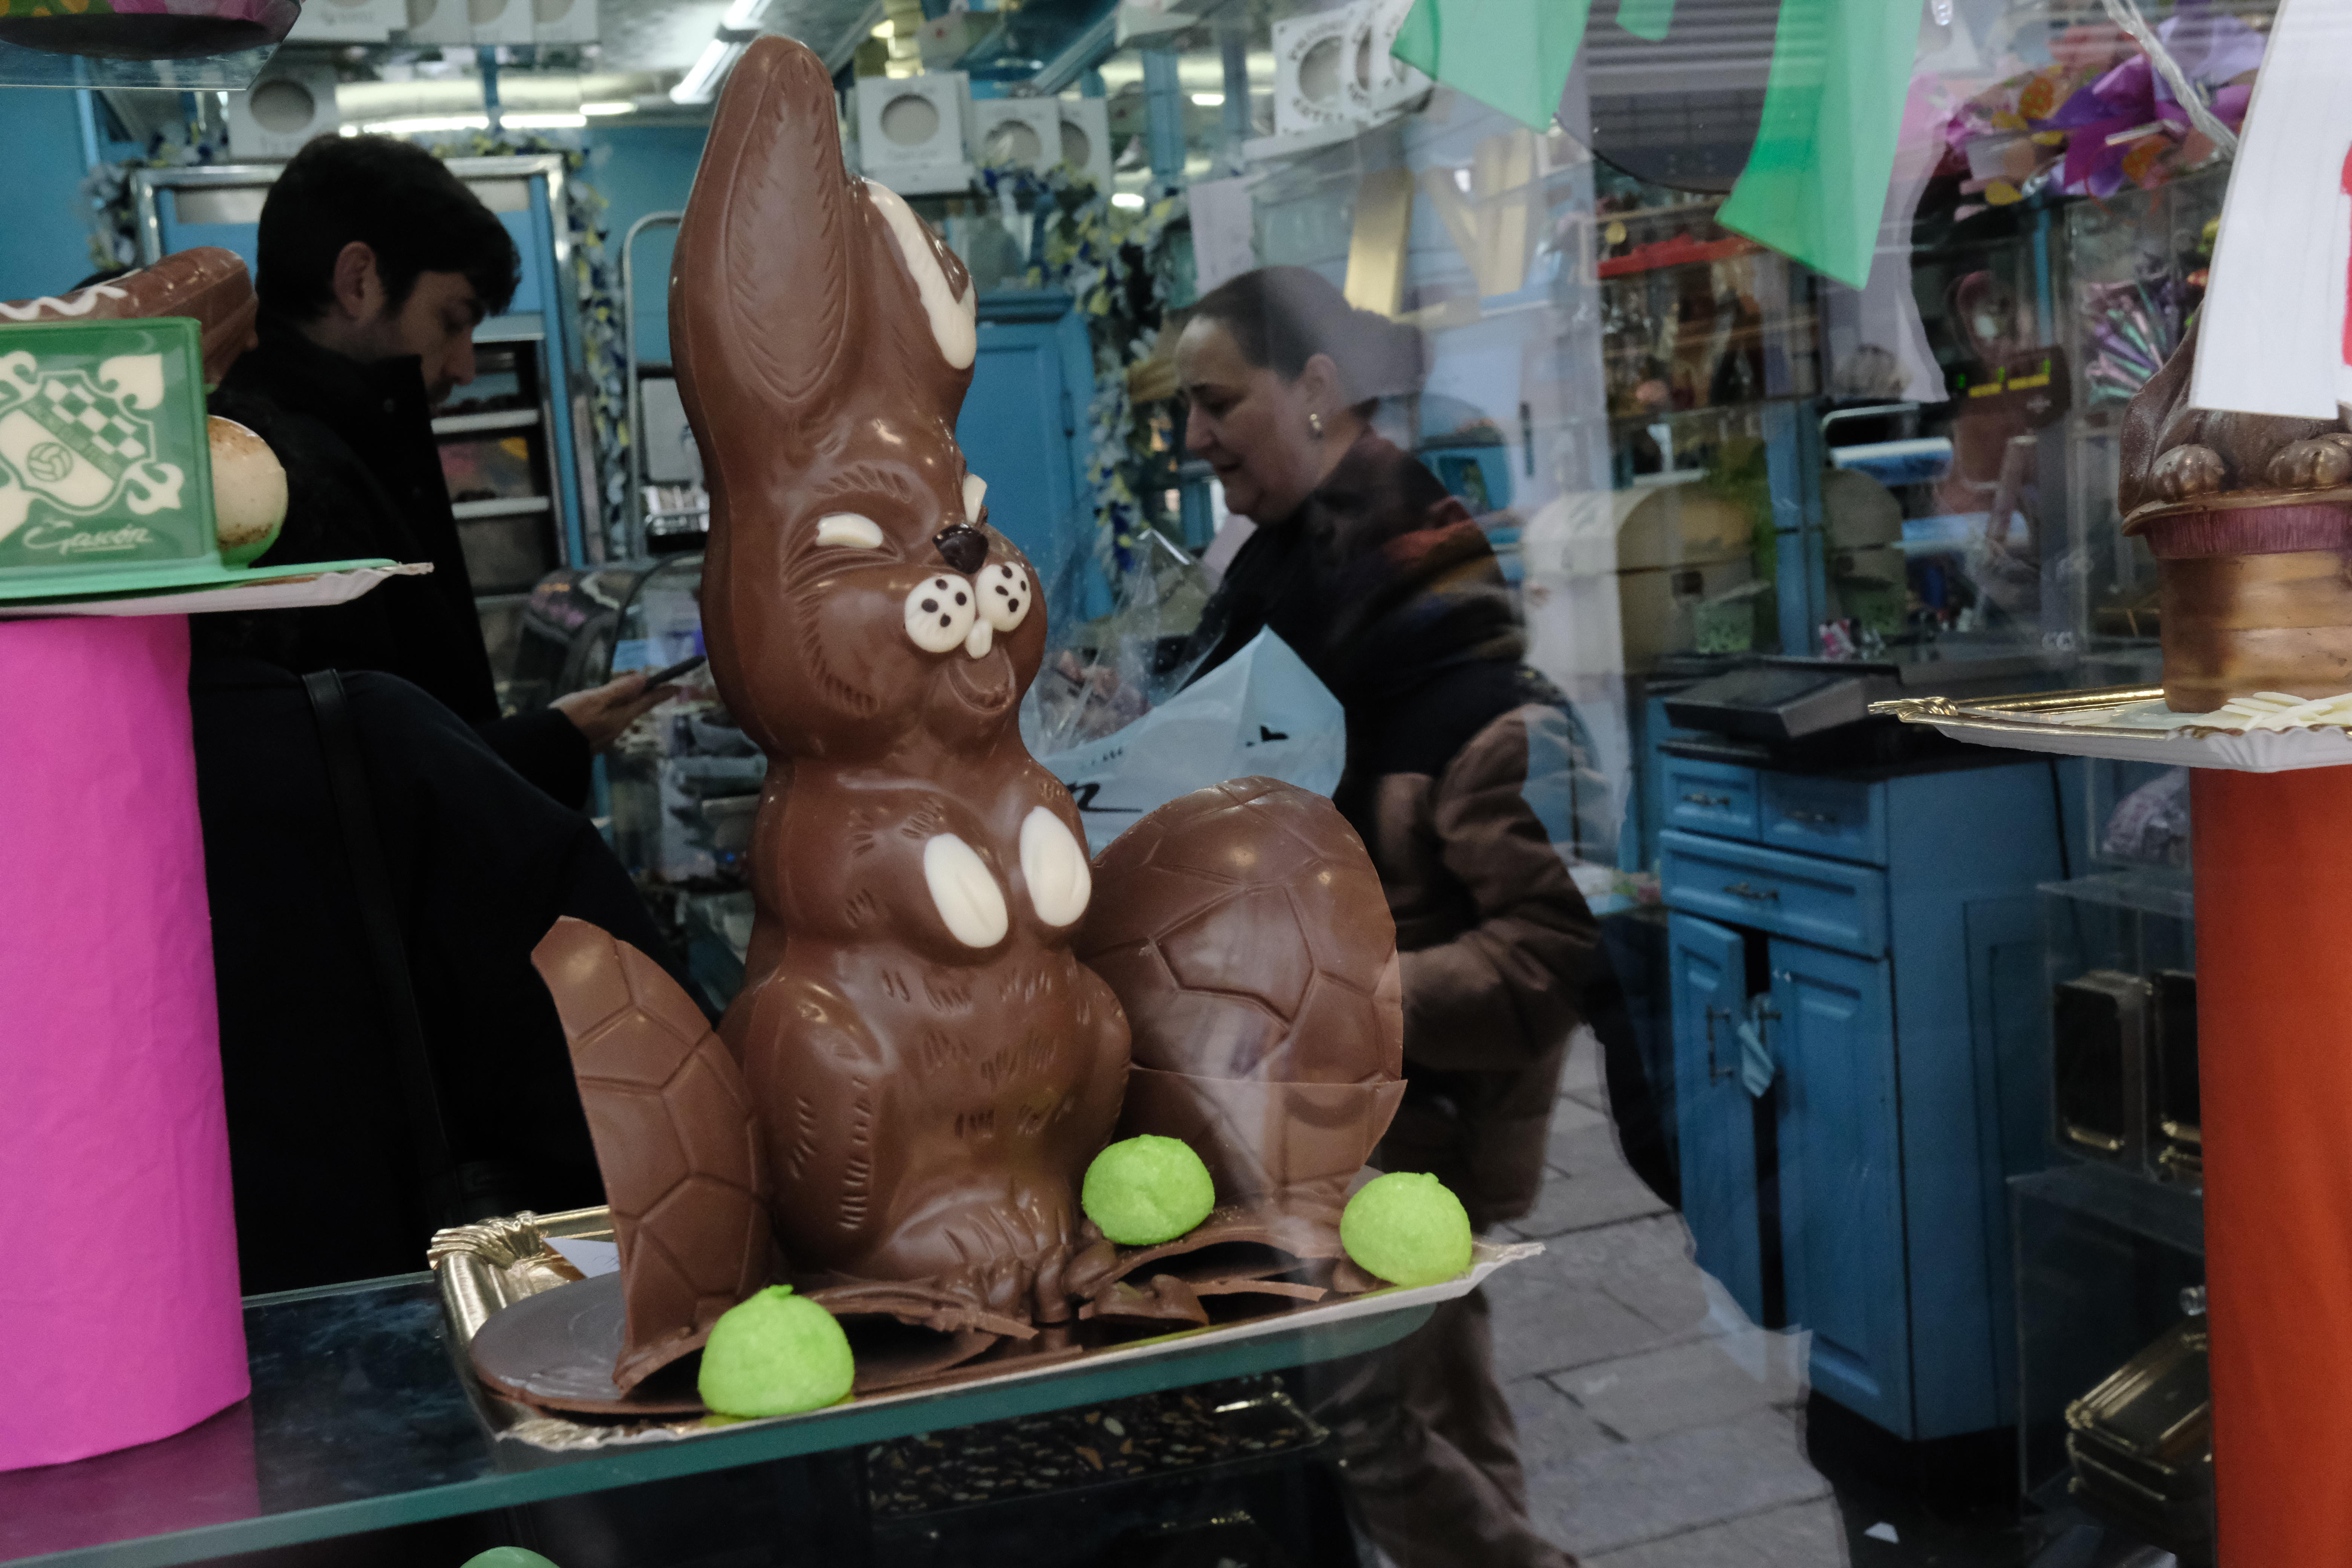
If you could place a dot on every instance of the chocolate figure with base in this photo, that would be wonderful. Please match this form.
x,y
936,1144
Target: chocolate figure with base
x,y
932,1066
2250,519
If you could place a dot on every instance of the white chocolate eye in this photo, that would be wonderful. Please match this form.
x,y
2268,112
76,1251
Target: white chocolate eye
x,y
939,613
1060,882
1005,594
849,528
975,491
964,891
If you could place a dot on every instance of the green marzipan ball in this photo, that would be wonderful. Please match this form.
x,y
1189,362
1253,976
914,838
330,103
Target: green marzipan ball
x,y
507,1557
1144,1191
775,1354
1408,1230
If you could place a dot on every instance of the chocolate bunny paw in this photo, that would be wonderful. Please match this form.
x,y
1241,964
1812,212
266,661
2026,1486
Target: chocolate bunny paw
x,y
2186,472
2319,463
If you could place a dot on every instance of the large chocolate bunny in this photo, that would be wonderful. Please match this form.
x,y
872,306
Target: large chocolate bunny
x,y
2174,452
932,1068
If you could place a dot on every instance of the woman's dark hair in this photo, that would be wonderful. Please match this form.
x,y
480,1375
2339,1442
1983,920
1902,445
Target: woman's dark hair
x,y
395,196
1281,317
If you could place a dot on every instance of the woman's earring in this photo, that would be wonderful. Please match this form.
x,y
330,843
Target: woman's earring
x,y
1315,423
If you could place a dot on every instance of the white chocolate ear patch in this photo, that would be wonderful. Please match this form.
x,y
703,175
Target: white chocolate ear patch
x,y
966,895
1005,594
955,324
849,528
975,491
939,613
1054,867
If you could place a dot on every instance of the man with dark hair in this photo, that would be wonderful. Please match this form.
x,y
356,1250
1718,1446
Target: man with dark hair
x,y
375,266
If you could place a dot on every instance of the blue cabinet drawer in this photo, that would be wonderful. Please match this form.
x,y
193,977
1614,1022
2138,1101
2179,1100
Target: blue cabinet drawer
x,y
1801,896
1823,816
1710,797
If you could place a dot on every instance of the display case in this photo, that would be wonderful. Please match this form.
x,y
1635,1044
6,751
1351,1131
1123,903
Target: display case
x,y
2110,1283
2122,957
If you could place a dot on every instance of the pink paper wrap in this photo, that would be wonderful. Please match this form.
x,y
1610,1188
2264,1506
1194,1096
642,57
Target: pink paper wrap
x,y
119,1315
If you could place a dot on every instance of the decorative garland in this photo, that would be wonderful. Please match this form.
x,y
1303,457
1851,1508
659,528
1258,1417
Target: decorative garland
x,y
115,242
1121,267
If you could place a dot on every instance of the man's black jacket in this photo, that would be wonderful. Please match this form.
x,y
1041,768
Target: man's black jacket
x,y
320,1151
363,478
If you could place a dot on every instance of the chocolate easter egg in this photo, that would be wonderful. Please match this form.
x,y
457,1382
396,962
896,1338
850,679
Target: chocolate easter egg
x,y
1246,932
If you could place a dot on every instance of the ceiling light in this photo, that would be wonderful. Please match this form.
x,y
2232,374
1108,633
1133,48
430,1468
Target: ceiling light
x,y
608,108
881,30
425,124
1209,99
1127,199
700,84
543,121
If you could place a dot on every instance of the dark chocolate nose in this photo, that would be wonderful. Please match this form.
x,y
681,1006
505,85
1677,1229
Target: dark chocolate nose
x,y
964,547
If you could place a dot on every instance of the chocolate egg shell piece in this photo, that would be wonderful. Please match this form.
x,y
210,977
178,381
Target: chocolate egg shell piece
x,y
683,1170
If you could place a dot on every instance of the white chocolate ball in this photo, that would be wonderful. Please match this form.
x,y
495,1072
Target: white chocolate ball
x,y
248,491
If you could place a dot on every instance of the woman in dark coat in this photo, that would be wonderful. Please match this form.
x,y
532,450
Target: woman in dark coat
x,y
1388,589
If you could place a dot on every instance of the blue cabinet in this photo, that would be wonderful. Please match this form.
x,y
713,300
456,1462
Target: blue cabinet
x,y
1877,936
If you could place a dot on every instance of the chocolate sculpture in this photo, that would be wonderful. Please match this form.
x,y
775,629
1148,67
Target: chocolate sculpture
x,y
2250,519
931,1066
926,1064
207,282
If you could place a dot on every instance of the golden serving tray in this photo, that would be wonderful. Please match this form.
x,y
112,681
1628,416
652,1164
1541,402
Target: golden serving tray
x,y
483,1268
2129,723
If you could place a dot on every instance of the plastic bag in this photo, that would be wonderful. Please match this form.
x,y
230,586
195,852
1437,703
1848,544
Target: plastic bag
x,y
1261,713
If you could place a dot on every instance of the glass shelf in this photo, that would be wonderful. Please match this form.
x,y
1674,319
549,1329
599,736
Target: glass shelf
x,y
2168,1215
359,1421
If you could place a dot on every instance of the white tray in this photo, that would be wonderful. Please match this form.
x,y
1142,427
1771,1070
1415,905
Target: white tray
x,y
2128,722
311,588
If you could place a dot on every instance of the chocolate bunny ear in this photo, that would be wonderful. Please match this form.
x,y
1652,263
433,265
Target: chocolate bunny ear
x,y
760,283
791,279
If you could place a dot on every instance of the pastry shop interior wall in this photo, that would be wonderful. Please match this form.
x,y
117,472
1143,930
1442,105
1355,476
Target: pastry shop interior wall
x,y
1903,1031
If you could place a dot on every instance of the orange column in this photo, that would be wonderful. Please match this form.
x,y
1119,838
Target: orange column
x,y
2275,1030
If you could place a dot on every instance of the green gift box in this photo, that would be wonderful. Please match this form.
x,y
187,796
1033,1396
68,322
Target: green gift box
x,y
105,471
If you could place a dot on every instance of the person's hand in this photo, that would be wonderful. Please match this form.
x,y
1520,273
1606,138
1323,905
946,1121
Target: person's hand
x,y
604,711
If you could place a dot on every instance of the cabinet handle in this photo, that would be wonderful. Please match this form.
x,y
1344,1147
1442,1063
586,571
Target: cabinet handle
x,y
1826,818
1707,800
1752,894
1715,1074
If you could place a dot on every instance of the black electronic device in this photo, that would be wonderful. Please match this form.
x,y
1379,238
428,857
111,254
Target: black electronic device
x,y
2099,1065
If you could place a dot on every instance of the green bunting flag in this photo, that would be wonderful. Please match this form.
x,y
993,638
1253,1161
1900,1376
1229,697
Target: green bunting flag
x,y
1512,54
1815,186
1646,18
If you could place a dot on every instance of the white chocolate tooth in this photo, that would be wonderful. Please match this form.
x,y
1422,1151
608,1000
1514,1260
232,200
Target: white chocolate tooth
x,y
975,491
964,892
981,638
849,528
1054,867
